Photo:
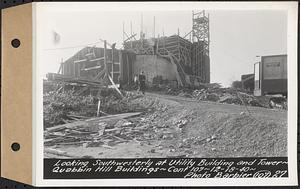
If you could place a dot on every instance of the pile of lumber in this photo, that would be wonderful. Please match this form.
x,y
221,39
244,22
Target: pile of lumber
x,y
105,131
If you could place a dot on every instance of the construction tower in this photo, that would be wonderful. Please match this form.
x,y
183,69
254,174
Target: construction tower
x,y
200,40
200,29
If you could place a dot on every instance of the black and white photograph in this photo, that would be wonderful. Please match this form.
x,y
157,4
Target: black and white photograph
x,y
187,84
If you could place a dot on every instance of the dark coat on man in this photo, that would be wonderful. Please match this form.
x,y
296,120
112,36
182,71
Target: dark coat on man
x,y
142,82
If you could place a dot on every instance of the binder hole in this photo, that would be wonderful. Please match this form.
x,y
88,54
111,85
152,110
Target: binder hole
x,y
15,43
15,146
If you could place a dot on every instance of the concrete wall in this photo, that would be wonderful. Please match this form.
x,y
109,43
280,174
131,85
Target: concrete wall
x,y
153,66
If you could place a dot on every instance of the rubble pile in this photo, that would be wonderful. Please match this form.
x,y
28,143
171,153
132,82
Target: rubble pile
x,y
226,95
163,127
138,122
183,92
65,106
229,96
105,131
278,102
60,108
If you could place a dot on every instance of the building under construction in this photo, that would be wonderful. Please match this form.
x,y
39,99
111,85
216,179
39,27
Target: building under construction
x,y
189,54
183,60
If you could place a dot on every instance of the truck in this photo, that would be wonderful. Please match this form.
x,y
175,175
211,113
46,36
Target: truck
x,y
270,75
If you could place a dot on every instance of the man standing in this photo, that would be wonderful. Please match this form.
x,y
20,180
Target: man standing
x,y
142,82
136,82
120,83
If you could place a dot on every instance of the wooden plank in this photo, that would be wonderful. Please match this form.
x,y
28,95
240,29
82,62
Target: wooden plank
x,y
99,74
112,64
114,85
97,119
60,69
78,61
129,38
108,61
121,66
92,68
57,152
96,59
98,108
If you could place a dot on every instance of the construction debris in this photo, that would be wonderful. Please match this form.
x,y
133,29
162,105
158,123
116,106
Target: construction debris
x,y
215,93
103,131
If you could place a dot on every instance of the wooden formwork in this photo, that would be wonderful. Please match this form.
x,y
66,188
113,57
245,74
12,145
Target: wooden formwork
x,y
90,60
190,57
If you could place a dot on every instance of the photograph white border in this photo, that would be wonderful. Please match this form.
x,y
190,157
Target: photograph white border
x,y
38,155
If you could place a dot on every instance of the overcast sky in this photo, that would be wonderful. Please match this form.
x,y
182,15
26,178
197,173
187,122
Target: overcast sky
x,y
237,37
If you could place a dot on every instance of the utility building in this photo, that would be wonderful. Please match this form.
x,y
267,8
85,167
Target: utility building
x,y
187,56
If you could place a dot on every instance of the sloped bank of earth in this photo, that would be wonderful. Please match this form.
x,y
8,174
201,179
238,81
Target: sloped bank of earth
x,y
207,129
182,128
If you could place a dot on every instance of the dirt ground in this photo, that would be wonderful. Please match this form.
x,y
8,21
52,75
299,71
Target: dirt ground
x,y
182,127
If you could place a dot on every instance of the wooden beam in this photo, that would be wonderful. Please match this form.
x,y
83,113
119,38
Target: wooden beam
x,y
112,65
98,108
114,86
105,60
60,68
88,122
187,34
99,74
97,59
88,54
78,61
121,66
91,68
108,61
129,38
128,70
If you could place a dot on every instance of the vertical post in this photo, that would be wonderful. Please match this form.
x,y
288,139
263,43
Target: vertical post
x,y
131,34
154,27
192,34
79,68
178,32
196,60
164,40
105,60
123,32
74,70
112,63
98,108
130,28
178,47
121,66
141,34
128,68
208,36
61,69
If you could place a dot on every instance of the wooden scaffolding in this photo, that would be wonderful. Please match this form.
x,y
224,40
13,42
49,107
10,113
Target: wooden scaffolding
x,y
190,53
